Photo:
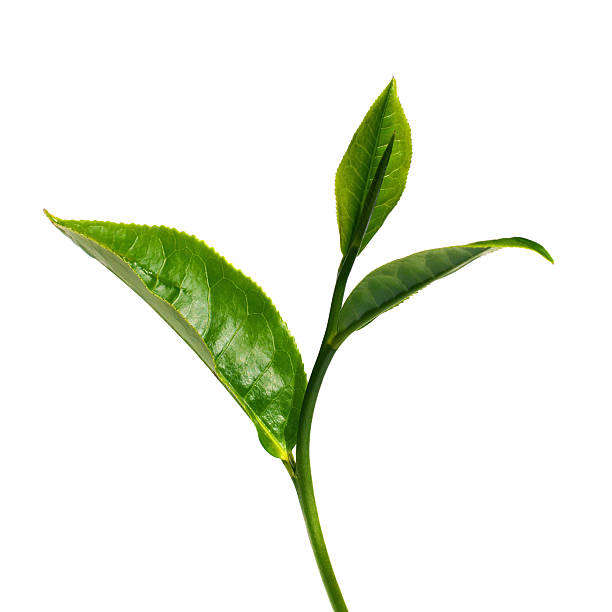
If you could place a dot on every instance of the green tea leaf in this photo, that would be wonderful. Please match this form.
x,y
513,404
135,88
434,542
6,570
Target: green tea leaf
x,y
223,315
358,166
397,280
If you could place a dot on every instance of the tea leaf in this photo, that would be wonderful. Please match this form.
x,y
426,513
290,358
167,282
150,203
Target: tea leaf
x,y
223,315
358,166
397,280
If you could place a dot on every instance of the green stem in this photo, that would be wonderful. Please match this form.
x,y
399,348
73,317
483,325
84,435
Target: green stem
x,y
303,474
304,484
300,471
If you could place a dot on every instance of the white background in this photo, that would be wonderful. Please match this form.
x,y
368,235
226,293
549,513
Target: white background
x,y
462,445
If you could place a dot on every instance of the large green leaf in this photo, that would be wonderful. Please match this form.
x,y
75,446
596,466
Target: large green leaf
x,y
358,166
222,314
397,280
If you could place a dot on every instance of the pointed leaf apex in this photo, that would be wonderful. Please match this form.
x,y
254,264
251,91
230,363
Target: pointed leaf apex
x,y
517,241
538,248
49,216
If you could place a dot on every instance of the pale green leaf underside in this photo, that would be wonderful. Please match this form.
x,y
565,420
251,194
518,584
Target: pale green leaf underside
x,y
222,314
359,164
397,280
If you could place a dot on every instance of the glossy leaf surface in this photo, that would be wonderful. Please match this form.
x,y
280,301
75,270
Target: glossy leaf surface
x,y
358,166
397,280
222,314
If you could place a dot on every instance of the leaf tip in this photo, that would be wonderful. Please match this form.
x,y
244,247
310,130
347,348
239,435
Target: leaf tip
x,y
51,218
517,241
536,247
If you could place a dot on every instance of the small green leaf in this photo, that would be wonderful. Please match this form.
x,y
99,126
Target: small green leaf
x,y
358,166
397,280
223,315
